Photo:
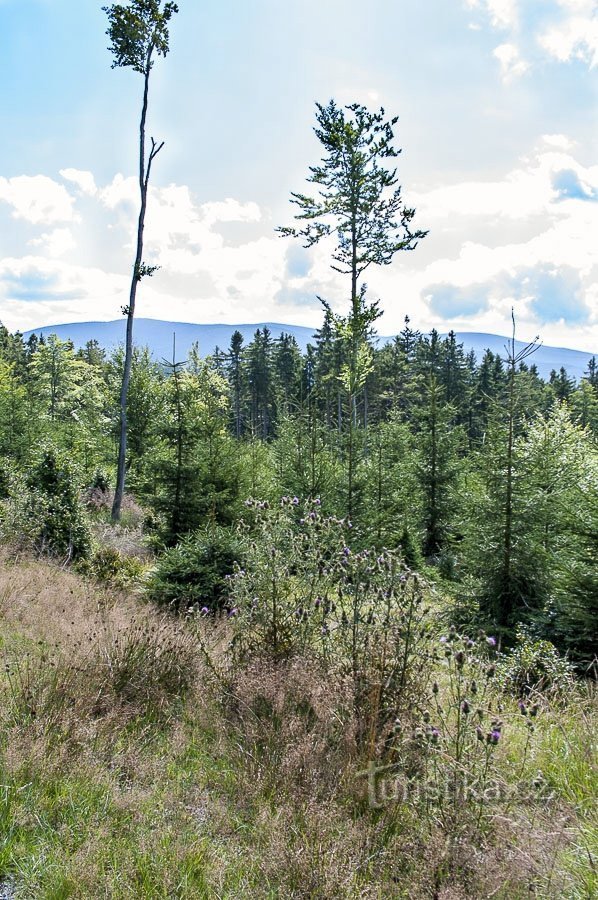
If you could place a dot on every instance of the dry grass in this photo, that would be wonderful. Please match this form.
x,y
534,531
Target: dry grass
x,y
127,772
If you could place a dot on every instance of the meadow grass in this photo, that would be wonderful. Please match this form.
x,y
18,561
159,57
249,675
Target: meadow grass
x,y
128,771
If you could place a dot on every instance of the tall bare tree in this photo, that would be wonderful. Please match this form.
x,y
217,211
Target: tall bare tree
x,y
138,33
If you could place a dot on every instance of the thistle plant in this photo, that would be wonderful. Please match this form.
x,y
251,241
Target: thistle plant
x,y
457,732
361,615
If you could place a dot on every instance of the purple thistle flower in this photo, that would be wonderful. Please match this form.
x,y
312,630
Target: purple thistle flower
x,y
465,707
295,501
493,737
346,551
204,610
491,641
233,611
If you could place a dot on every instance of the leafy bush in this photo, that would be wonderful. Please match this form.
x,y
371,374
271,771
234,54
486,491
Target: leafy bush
x,y
107,564
195,572
534,665
43,512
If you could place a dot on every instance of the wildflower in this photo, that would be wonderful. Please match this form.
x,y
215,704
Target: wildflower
x,y
474,687
465,707
435,687
317,501
346,551
459,658
491,641
534,710
426,716
295,501
493,737
204,610
318,602
522,707
434,736
490,671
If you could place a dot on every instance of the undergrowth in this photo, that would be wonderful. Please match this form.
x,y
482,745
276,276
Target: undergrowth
x,y
132,769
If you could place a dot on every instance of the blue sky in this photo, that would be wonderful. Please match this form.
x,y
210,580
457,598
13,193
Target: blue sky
x,y
497,102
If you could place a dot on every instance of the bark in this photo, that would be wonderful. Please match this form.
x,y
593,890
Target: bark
x,y
144,174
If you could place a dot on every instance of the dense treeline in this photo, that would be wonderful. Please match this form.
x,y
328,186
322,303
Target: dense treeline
x,y
483,472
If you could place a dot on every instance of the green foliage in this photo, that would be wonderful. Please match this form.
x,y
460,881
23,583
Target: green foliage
x,y
44,513
196,572
535,665
358,199
108,565
137,30
361,615
194,472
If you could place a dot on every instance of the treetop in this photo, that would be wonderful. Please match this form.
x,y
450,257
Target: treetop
x,y
137,30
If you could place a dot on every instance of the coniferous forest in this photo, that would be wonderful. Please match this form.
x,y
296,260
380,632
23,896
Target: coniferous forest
x,y
297,624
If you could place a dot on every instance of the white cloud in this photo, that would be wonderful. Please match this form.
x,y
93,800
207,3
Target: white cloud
x,y
37,199
56,242
221,261
120,191
502,13
83,180
560,141
571,35
511,64
575,37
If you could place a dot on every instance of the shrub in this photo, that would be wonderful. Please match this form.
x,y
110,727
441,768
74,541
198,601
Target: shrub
x,y
534,665
194,573
107,564
361,616
43,512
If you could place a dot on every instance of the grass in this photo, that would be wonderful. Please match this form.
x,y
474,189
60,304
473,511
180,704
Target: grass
x,y
125,772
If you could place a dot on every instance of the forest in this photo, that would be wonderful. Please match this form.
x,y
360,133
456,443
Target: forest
x,y
375,599
294,624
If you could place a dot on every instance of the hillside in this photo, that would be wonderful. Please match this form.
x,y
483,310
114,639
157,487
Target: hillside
x,y
133,773
158,335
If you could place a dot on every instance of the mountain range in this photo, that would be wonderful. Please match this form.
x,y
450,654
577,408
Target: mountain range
x,y
160,335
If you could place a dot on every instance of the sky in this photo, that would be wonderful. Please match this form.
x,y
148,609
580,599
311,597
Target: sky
x,y
498,124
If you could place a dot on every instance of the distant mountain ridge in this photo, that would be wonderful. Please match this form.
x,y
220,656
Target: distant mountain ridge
x,y
158,336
